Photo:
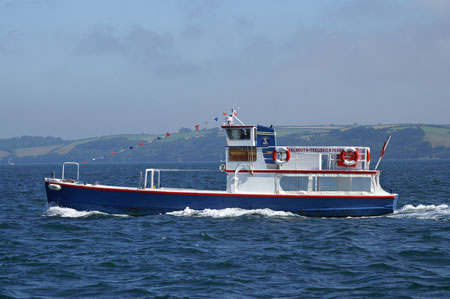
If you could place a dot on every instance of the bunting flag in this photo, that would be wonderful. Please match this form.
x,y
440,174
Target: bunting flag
x,y
168,134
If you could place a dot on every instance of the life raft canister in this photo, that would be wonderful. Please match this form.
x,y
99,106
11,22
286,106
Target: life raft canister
x,y
54,187
281,155
349,156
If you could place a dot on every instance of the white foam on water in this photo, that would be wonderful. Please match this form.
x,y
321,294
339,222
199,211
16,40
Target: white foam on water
x,y
230,213
71,213
433,212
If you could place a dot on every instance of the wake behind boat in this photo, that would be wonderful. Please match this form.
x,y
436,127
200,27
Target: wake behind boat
x,y
330,181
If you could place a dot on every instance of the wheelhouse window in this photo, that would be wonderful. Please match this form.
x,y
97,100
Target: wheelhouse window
x,y
239,134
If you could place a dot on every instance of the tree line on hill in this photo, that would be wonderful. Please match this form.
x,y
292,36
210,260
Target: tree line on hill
x,y
208,146
407,143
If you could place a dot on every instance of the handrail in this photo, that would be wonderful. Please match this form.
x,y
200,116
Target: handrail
x,y
152,177
236,172
71,163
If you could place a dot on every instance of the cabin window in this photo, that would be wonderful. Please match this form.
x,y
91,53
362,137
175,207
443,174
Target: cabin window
x,y
343,184
328,184
238,134
294,183
361,184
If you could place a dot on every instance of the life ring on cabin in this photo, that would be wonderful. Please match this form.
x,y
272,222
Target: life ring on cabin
x,y
349,156
281,155
222,167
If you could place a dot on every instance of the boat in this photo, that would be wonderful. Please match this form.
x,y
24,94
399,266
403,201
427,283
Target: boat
x,y
324,181
10,162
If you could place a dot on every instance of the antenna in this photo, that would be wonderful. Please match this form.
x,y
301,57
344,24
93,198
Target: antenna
x,y
234,114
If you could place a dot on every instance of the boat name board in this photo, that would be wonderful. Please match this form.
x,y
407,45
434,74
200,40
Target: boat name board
x,y
316,149
242,153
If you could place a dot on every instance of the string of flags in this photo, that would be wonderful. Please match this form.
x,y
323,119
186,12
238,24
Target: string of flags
x,y
168,134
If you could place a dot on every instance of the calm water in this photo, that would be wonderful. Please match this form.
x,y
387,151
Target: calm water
x,y
60,252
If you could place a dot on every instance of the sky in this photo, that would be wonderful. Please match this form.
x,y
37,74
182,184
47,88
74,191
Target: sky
x,y
86,68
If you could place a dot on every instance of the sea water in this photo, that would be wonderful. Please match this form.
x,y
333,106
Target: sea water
x,y
60,252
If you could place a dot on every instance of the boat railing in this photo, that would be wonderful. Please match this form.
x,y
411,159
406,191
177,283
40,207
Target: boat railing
x,y
71,163
152,177
329,157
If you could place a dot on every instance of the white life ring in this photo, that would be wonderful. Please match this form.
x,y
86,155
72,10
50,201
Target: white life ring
x,y
222,167
349,156
281,155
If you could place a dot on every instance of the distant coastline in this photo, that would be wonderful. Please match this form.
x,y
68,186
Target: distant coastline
x,y
409,141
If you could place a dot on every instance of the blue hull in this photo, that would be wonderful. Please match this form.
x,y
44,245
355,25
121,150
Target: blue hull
x,y
144,202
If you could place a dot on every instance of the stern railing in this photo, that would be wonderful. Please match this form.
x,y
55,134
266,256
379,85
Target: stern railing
x,y
152,177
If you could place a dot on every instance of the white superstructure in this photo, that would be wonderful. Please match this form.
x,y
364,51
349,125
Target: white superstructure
x,y
255,164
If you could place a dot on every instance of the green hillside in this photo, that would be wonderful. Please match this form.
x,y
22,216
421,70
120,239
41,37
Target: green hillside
x,y
409,141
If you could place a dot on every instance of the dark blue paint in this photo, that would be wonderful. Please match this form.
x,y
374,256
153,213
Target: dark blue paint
x,y
265,136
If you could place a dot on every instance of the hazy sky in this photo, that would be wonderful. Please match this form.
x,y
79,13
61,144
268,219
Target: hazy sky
x,y
76,69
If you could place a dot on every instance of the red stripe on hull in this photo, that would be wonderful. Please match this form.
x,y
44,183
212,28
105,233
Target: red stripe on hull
x,y
119,189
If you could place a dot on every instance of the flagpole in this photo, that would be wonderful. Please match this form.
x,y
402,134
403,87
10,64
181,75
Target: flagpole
x,y
379,160
382,150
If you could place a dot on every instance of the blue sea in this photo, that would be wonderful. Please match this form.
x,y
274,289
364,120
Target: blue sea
x,y
230,253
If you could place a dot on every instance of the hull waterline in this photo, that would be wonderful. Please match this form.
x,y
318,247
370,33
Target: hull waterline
x,y
135,201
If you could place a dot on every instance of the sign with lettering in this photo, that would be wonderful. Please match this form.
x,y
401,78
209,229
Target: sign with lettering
x,y
241,153
319,150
